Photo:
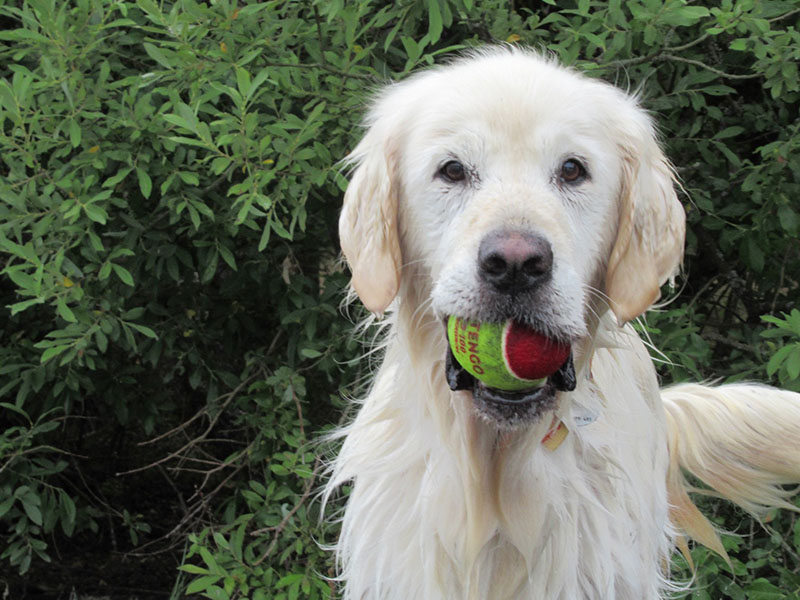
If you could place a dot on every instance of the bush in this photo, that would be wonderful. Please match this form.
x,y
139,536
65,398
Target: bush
x,y
169,300
172,340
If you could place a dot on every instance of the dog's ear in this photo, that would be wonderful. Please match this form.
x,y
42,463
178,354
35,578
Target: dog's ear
x,y
368,230
650,235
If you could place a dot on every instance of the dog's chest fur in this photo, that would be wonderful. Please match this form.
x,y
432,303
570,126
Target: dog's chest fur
x,y
443,507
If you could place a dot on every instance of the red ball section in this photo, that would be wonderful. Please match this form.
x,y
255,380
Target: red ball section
x,y
529,354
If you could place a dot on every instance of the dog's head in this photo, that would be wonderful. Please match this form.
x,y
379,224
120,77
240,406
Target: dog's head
x,y
504,186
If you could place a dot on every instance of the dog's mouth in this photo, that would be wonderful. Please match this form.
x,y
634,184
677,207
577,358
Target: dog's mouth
x,y
516,407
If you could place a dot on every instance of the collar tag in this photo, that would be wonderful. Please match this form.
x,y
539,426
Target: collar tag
x,y
555,435
583,416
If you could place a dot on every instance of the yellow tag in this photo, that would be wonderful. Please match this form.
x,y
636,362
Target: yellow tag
x,y
555,436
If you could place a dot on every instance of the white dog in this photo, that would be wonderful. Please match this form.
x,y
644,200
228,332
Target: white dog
x,y
504,186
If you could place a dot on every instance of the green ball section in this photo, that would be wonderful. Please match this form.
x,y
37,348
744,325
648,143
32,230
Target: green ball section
x,y
478,348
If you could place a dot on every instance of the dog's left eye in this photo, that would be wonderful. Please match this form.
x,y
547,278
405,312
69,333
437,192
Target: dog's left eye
x,y
572,171
453,171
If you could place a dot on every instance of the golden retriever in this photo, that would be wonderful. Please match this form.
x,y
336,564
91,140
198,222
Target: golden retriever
x,y
504,186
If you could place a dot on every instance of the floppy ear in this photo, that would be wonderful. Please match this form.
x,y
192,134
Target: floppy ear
x,y
649,244
368,229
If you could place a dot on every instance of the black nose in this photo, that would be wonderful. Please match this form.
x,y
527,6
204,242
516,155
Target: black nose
x,y
514,261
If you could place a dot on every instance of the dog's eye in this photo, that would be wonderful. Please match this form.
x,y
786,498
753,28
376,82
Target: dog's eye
x,y
572,171
453,171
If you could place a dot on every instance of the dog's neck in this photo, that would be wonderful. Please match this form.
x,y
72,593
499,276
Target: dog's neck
x,y
474,501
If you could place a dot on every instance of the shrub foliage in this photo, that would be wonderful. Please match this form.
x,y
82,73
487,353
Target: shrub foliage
x,y
169,190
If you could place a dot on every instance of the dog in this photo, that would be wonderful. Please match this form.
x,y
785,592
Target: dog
x,y
503,186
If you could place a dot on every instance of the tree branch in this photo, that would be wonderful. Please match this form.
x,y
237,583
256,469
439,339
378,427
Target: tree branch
x,y
707,67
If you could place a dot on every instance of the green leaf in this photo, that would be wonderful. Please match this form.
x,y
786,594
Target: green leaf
x,y
201,584
217,593
95,241
64,311
288,580
188,141
729,132
227,256
279,469
243,82
96,213
9,102
754,254
6,505
145,183
788,219
123,274
740,44
101,340
221,541
684,16
196,570
69,512
434,21
18,307
53,351
211,267
16,409
117,177
180,122
237,542
717,90
105,271
189,178
158,55
762,589
134,313
21,278
25,252
74,133
777,359
219,164
144,330
31,503
303,472
209,559
280,229
793,363
735,161
265,235
259,79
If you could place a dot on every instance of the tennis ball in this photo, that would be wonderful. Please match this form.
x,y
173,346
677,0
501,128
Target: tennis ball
x,y
505,356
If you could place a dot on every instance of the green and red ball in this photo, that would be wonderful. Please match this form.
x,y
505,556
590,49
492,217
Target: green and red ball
x,y
505,356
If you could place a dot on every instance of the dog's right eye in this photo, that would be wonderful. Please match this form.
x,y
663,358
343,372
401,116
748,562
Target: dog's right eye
x,y
453,171
572,171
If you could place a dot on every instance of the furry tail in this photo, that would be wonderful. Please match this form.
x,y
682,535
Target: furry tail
x,y
742,440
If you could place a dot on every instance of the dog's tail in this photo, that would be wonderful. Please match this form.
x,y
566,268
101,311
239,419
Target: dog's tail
x,y
741,440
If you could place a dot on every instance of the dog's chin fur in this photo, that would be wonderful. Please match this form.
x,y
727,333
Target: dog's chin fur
x,y
515,415
457,498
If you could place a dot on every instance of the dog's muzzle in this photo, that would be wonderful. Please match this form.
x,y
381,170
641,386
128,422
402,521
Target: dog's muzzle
x,y
513,267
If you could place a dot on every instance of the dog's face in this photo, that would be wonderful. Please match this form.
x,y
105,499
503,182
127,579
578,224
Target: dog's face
x,y
506,187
